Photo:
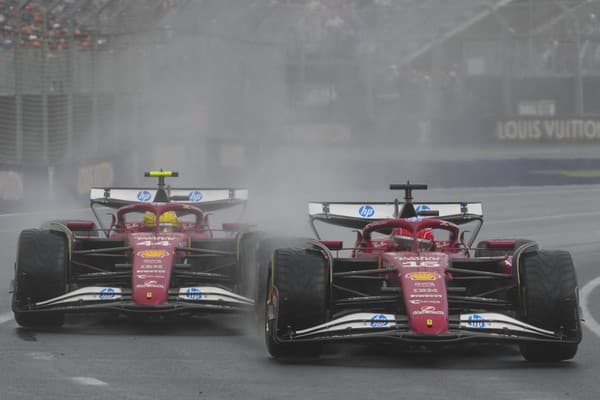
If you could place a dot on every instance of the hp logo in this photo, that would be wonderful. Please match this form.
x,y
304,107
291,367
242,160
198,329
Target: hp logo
x,y
144,195
366,211
193,293
195,196
378,321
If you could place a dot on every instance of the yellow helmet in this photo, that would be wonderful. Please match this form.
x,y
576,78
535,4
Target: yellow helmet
x,y
168,217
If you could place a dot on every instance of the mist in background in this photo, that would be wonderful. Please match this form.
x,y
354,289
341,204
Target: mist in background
x,y
296,100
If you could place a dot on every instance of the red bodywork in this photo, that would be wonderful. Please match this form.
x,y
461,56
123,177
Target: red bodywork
x,y
154,253
422,274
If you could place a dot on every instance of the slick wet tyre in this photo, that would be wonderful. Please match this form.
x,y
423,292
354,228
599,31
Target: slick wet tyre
x,y
40,274
300,278
549,300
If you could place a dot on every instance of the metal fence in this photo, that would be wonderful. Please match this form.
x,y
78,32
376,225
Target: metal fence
x,y
194,73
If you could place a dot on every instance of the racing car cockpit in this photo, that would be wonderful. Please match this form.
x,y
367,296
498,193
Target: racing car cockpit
x,y
402,240
171,217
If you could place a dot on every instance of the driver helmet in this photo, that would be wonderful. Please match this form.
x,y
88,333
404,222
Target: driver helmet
x,y
403,239
168,219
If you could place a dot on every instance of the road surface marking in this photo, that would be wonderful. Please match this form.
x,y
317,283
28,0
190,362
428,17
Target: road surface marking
x,y
6,317
86,380
585,293
42,355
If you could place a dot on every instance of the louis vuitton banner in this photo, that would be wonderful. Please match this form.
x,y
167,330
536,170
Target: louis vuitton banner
x,y
548,130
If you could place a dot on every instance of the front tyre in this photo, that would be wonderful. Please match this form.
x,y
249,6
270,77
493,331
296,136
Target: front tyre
x,y
298,287
40,274
549,299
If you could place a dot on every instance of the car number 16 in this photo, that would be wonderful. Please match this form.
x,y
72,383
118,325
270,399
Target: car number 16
x,y
424,264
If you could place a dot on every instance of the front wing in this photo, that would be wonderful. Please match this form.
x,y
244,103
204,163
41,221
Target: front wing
x,y
473,327
196,299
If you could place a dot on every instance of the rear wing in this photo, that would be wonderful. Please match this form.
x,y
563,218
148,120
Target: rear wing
x,y
203,198
356,215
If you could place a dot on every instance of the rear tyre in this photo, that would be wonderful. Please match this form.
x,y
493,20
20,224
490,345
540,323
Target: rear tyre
x,y
40,274
484,251
300,278
549,299
264,253
247,247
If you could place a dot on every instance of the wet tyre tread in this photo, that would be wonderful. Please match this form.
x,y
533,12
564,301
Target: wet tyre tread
x,y
549,300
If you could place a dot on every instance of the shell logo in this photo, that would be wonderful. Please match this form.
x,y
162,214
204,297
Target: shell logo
x,y
153,253
422,276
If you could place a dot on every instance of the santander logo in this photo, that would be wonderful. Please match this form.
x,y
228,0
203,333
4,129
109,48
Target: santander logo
x,y
428,310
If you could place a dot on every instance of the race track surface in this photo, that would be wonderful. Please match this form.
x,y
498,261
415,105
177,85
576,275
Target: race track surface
x,y
213,357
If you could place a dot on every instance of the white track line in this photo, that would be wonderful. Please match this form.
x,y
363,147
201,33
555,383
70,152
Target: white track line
x,y
6,317
86,380
585,292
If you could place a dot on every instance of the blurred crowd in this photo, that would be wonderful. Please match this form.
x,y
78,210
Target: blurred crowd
x,y
334,27
35,24
571,45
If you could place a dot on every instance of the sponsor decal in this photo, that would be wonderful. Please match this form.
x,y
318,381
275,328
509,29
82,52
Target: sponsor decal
x,y
379,244
422,207
379,321
152,267
424,302
366,211
193,293
152,261
420,296
429,310
424,284
144,276
558,130
153,253
144,196
151,284
425,290
476,321
421,264
417,258
164,242
422,276
106,293
195,196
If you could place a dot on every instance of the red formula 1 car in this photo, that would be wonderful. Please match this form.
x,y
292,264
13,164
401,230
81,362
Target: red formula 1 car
x,y
158,255
414,277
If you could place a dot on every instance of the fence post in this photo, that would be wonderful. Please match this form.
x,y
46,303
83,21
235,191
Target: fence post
x,y
69,88
43,86
18,67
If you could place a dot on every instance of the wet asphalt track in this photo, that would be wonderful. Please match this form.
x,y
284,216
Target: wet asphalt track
x,y
219,358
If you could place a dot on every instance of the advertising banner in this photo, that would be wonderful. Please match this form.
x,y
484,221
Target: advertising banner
x,y
560,130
